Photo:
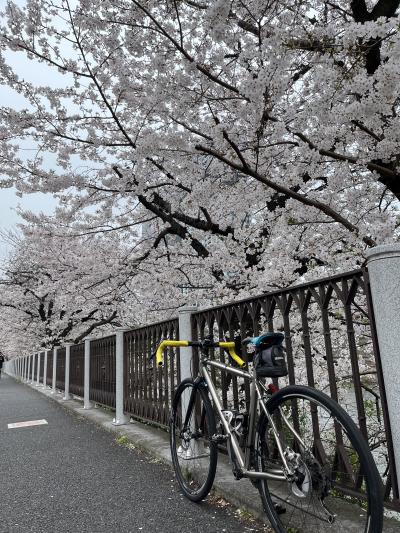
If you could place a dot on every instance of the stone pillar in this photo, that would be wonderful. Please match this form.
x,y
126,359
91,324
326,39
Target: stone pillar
x,y
45,369
383,264
120,417
68,345
54,388
186,353
185,334
87,404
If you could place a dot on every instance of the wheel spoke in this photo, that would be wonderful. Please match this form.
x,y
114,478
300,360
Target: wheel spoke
x,y
315,500
194,455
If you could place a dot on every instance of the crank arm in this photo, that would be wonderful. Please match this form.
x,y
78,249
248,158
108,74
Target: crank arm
x,y
331,516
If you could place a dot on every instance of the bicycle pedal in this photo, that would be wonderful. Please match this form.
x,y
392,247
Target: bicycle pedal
x,y
279,508
219,438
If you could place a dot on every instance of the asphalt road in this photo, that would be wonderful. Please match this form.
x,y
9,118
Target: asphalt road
x,y
72,476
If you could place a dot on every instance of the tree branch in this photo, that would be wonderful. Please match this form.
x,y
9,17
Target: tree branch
x,y
324,208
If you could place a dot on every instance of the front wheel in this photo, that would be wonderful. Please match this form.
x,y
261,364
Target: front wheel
x,y
334,485
192,427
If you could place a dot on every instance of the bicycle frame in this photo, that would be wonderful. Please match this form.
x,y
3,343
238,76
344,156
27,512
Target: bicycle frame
x,y
256,397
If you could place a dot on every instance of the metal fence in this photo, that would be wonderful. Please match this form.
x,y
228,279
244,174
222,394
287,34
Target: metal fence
x,y
49,377
41,368
102,371
60,370
330,341
330,344
148,390
77,367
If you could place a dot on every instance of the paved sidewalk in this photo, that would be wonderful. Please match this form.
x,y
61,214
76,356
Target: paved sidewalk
x,y
72,476
155,443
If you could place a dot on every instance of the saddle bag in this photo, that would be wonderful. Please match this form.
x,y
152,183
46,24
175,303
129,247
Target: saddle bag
x,y
269,359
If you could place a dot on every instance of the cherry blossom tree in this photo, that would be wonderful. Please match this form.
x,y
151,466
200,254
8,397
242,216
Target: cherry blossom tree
x,y
254,142
62,289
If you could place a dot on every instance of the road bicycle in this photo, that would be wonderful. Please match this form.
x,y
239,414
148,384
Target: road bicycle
x,y
298,447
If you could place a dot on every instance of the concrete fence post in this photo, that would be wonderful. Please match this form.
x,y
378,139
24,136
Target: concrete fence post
x,y
45,369
120,417
186,353
39,357
33,368
29,368
54,381
383,264
68,345
26,371
86,390
185,334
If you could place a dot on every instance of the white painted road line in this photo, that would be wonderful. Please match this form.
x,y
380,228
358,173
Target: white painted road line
x,y
26,424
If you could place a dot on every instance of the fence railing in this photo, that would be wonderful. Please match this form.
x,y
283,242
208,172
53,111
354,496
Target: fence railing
x,y
60,370
102,371
49,378
330,340
148,390
77,367
41,366
329,345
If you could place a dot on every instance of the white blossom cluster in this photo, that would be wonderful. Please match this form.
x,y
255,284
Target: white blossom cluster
x,y
228,147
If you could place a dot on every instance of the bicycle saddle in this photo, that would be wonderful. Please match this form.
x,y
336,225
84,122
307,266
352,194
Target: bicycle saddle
x,y
266,339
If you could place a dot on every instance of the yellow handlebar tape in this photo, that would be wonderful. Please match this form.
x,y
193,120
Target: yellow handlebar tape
x,y
167,344
230,346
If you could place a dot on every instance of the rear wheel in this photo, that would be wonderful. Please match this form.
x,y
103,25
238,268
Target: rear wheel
x,y
336,485
194,453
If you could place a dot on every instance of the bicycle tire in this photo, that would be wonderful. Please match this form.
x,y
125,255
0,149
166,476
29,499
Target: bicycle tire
x,y
373,484
186,482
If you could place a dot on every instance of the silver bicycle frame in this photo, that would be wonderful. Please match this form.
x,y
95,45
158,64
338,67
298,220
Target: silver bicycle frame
x,y
256,397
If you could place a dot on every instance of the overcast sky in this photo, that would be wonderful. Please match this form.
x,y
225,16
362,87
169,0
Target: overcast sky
x,y
31,71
